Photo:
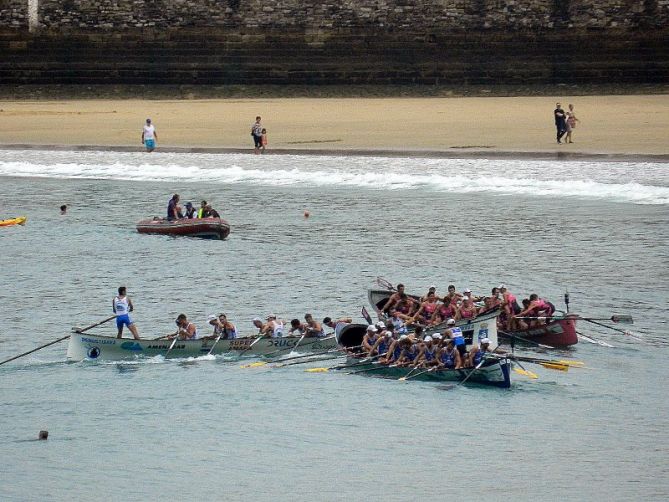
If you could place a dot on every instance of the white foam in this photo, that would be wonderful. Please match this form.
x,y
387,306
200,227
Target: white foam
x,y
640,183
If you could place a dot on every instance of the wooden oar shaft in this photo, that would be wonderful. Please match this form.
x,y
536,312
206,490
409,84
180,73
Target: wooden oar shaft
x,y
35,350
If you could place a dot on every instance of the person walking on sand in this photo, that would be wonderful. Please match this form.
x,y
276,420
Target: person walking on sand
x,y
149,136
256,132
560,123
571,123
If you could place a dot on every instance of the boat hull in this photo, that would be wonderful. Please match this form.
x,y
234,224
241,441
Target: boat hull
x,y
205,228
82,346
558,333
494,372
21,220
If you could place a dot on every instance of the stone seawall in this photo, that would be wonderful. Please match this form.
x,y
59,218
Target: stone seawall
x,y
348,42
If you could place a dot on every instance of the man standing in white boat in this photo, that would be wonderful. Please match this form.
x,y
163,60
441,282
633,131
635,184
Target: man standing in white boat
x,y
122,306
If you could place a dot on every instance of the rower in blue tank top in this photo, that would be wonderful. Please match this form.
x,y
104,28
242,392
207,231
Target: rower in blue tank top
x,y
477,355
122,306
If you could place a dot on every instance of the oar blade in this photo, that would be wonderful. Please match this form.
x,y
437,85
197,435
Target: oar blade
x,y
573,364
623,319
555,366
528,374
317,370
253,365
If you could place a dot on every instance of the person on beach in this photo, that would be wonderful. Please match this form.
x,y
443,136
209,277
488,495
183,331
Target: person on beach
x,y
122,306
173,209
263,140
571,123
256,132
149,136
560,122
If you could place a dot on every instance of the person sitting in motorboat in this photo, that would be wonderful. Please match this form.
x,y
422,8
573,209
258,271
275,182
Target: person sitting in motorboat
x,y
370,338
393,299
313,328
202,212
338,324
296,328
274,327
537,308
186,329
427,356
424,313
467,310
190,211
211,212
449,357
173,208
477,353
444,311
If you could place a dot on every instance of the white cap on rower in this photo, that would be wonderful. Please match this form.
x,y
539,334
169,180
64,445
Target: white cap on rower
x,y
428,338
485,340
212,318
467,290
437,336
501,286
380,325
371,328
403,337
256,319
432,287
271,316
450,322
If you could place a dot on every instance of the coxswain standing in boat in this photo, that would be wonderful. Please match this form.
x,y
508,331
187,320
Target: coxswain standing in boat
x,y
454,333
313,328
187,330
510,308
122,306
393,299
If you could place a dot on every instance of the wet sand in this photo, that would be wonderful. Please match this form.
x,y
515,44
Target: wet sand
x,y
625,125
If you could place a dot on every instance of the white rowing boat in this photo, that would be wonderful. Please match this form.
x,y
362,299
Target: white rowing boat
x,y
83,346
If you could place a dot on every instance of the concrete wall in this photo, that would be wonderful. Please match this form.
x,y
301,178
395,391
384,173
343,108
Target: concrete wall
x,y
326,42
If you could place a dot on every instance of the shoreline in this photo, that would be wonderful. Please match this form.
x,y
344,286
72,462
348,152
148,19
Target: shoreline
x,y
456,153
630,127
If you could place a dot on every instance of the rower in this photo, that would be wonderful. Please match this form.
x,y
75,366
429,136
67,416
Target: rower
x,y
428,353
370,338
222,327
406,307
467,310
187,330
431,289
449,357
122,306
537,307
382,345
313,328
477,353
409,352
426,310
509,306
296,328
444,311
274,327
393,299
395,350
257,322
337,325
398,323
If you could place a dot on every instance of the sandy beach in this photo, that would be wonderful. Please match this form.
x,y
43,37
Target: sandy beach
x,y
609,125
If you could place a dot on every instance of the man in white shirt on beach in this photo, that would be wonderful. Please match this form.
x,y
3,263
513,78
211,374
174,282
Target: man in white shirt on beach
x,y
149,136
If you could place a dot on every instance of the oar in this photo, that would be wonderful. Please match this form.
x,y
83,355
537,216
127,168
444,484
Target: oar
x,y
337,356
526,340
214,345
624,332
476,368
366,360
250,346
589,339
408,375
417,374
375,368
80,330
525,372
174,341
618,318
303,356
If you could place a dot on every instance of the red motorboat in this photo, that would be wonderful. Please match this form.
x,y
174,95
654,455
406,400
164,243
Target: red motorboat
x,y
556,333
205,228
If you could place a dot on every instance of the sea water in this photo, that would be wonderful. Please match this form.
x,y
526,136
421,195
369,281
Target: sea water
x,y
212,430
